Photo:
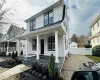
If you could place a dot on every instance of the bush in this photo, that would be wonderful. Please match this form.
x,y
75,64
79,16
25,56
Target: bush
x,y
13,55
38,67
2,53
11,62
9,54
96,50
21,53
34,65
51,66
88,45
45,69
16,54
18,61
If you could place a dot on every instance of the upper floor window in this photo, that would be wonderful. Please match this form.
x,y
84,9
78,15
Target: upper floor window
x,y
48,17
98,23
32,24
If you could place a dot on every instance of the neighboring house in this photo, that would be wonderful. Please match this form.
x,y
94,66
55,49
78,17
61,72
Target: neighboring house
x,y
46,32
95,32
0,39
73,45
8,41
1,35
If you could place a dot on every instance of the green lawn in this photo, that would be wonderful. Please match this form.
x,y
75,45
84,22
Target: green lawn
x,y
94,58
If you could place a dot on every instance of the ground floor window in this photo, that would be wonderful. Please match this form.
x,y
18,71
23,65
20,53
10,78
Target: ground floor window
x,y
34,44
51,43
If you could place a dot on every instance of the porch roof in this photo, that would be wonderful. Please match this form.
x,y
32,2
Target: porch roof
x,y
9,40
42,30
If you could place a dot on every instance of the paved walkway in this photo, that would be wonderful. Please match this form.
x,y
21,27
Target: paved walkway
x,y
13,71
72,63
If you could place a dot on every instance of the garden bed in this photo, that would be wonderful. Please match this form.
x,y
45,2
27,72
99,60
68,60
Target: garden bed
x,y
32,75
10,63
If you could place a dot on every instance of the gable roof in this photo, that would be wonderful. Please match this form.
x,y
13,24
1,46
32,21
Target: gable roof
x,y
14,27
59,2
97,18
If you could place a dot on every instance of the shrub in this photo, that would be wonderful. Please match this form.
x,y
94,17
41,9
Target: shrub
x,y
9,54
96,50
34,65
11,62
21,53
13,55
45,69
51,66
16,54
38,67
88,45
18,61
3,54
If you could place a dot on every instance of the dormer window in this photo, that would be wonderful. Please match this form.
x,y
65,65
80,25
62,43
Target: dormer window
x,y
48,18
32,24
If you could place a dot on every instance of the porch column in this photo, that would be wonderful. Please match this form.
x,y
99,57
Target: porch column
x,y
56,47
38,47
26,47
7,47
18,47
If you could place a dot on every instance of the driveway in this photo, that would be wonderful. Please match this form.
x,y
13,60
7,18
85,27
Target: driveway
x,y
71,64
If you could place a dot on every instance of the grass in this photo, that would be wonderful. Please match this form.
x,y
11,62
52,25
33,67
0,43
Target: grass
x,y
94,58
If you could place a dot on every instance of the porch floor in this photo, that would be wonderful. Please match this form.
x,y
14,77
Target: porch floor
x,y
43,59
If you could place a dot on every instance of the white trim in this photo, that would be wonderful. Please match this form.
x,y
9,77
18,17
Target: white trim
x,y
56,46
38,46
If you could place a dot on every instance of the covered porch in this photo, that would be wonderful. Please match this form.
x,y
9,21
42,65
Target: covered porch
x,y
7,46
44,43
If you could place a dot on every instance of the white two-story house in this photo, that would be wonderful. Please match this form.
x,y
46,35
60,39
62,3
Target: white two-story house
x,y
47,32
95,32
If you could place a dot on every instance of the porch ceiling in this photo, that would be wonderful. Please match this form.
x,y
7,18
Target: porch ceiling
x,y
44,30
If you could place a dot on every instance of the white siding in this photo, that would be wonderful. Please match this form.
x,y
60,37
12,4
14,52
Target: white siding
x,y
40,21
46,52
94,41
58,12
96,28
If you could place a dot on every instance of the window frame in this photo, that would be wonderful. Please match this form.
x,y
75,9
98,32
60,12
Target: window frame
x,y
51,43
48,13
32,24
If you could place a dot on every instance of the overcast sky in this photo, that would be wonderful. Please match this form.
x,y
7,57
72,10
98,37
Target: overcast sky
x,y
81,12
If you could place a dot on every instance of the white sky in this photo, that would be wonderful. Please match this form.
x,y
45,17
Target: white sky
x,y
81,12
24,9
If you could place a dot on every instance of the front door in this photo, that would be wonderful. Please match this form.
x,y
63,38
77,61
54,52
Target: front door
x,y
42,46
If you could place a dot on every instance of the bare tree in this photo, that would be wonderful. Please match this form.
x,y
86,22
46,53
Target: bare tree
x,y
3,13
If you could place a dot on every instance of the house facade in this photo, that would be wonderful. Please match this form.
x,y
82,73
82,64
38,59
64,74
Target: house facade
x,y
95,32
46,32
8,41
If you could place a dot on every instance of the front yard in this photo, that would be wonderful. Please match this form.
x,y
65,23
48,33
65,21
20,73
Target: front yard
x,y
94,58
